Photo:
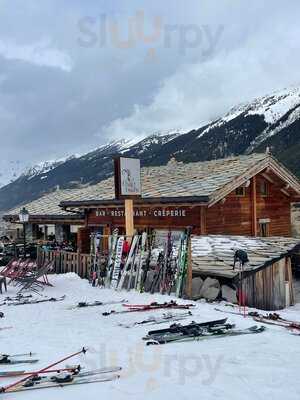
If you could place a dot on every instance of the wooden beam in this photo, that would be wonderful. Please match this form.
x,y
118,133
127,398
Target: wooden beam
x,y
266,176
285,192
129,224
203,220
253,206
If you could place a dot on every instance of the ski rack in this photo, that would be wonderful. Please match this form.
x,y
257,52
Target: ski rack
x,y
169,261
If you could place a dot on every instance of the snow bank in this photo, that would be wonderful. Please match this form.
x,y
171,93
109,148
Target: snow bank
x,y
259,366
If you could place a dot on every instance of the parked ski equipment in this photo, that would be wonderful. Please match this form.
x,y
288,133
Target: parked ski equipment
x,y
176,328
205,333
128,263
139,271
84,304
117,263
152,320
133,264
110,263
36,301
150,307
6,360
182,262
151,240
62,381
14,386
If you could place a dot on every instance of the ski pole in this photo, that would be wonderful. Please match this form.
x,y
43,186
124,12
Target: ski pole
x,y
6,388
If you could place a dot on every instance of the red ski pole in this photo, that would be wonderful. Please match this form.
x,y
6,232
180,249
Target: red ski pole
x,y
5,389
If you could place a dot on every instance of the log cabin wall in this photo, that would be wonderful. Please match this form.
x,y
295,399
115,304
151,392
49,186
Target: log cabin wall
x,y
276,206
233,215
230,217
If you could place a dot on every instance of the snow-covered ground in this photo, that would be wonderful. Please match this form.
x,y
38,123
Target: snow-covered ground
x,y
262,366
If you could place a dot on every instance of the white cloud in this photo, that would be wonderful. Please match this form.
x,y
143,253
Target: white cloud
x,y
39,53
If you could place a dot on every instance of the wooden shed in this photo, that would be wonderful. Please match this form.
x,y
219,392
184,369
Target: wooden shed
x,y
267,277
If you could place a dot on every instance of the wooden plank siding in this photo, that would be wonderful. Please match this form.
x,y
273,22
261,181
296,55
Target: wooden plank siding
x,y
276,206
234,215
266,288
65,262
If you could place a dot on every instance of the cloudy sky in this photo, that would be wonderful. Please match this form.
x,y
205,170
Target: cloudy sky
x,y
75,74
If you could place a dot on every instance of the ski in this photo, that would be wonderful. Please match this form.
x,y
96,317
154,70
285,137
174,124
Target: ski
x,y
75,370
175,328
221,333
169,304
15,373
166,264
19,382
5,328
150,308
129,261
195,331
110,263
36,301
158,273
147,263
96,303
47,385
8,361
284,324
182,263
117,264
229,312
15,298
271,319
30,354
133,264
139,270
156,321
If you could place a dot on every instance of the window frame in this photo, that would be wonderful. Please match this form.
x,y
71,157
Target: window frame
x,y
266,186
264,226
240,188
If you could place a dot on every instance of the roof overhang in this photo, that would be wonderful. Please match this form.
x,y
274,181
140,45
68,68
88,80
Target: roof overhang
x,y
70,205
36,219
267,163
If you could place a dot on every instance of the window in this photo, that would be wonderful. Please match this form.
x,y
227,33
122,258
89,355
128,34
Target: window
x,y
240,191
264,229
264,189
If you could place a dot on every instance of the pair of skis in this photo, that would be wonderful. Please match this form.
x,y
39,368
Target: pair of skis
x,y
197,331
84,304
180,276
67,378
111,258
149,307
18,298
36,301
270,319
133,268
205,333
37,380
12,359
152,320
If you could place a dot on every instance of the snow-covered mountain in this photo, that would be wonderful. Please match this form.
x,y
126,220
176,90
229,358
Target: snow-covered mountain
x,y
271,121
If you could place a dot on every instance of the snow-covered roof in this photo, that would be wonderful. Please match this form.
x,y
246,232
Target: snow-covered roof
x,y
213,255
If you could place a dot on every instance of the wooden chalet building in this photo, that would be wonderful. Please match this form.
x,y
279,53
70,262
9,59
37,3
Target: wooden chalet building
x,y
246,195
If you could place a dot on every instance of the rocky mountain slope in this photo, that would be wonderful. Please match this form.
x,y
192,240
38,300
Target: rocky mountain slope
x,y
272,121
